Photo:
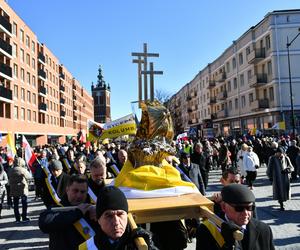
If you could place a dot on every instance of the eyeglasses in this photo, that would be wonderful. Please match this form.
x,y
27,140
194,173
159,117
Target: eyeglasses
x,y
241,208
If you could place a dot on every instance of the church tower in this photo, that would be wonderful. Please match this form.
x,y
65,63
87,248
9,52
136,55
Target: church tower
x,y
101,95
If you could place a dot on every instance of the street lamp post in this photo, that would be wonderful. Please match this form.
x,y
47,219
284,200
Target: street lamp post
x,y
288,44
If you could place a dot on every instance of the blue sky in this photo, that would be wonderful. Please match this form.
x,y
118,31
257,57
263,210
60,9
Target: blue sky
x,y
187,34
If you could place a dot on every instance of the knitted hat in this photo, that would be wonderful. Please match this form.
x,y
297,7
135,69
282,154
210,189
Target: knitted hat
x,y
237,194
110,198
56,165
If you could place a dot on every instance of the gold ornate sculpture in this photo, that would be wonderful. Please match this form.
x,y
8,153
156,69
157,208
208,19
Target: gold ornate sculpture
x,y
151,144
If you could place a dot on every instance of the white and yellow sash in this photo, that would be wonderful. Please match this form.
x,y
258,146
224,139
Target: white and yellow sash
x,y
67,164
88,245
92,195
84,229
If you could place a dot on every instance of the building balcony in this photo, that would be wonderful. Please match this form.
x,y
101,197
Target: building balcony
x,y
222,113
62,101
41,58
74,87
194,107
220,77
62,113
75,107
260,104
74,97
256,55
211,84
62,88
75,118
222,95
5,25
62,76
43,107
5,94
189,110
6,71
212,100
42,91
258,80
5,48
42,75
190,122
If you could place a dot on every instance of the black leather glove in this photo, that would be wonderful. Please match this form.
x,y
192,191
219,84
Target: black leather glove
x,y
147,235
227,229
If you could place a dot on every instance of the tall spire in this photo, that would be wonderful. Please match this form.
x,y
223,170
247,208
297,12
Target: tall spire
x,y
100,77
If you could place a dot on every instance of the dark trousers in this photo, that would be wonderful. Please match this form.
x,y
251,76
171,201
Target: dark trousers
x,y
24,207
251,176
9,198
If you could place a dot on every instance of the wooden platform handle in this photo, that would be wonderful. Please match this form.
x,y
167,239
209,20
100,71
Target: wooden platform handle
x,y
205,212
140,242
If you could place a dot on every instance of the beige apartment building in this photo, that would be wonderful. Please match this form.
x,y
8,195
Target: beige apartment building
x,y
39,97
247,87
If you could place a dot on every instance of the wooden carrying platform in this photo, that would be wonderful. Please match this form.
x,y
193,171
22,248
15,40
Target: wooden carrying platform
x,y
172,208
169,208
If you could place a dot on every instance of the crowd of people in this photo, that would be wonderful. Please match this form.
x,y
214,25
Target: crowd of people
x,y
83,209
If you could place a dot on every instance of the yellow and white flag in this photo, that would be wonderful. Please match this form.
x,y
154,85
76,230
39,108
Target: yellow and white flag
x,y
11,150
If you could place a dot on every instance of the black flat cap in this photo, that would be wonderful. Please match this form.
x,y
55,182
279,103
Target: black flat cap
x,y
237,194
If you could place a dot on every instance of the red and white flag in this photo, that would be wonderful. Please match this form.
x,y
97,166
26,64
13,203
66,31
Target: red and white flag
x,y
30,157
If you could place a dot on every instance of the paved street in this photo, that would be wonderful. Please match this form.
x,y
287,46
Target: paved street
x,y
285,224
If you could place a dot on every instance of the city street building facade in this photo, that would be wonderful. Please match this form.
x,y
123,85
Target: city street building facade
x,y
39,97
247,87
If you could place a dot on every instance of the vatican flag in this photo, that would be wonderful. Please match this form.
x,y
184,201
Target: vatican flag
x,y
11,150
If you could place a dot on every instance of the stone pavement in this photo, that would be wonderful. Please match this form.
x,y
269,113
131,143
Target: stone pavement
x,y
285,224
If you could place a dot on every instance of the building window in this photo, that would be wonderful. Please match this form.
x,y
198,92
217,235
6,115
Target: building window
x,y
229,86
22,55
16,113
271,94
249,75
21,36
233,63
34,116
34,98
242,80
250,97
268,42
243,101
14,29
28,115
22,75
15,50
33,46
16,92
22,94
241,59
22,114
33,63
234,83
27,42
33,81
28,59
230,105
247,51
269,67
28,78
265,94
227,67
28,96
236,103
15,72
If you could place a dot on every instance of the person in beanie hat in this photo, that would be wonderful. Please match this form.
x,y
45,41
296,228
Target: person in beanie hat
x,y
115,232
238,206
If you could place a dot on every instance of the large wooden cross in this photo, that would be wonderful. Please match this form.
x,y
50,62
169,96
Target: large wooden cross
x,y
142,59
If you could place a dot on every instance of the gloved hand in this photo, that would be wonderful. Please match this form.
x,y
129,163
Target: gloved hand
x,y
147,235
227,229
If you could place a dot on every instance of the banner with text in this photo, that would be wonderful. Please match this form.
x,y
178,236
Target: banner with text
x,y
122,126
